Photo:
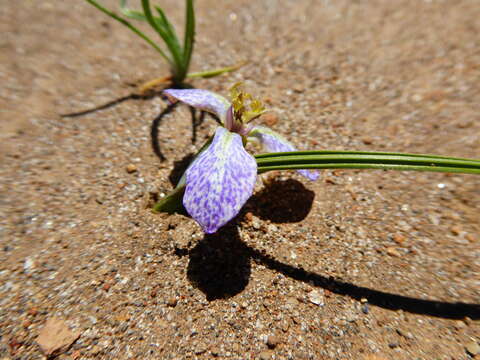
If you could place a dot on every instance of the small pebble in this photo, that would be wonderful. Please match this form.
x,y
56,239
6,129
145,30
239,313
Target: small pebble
x,y
406,335
465,124
28,265
265,355
399,239
365,308
200,348
459,324
367,140
256,223
456,230
26,324
470,238
172,302
131,168
273,341
33,311
393,252
270,119
298,88
473,348
316,298
215,351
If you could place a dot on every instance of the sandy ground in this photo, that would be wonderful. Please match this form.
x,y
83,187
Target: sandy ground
x,y
368,265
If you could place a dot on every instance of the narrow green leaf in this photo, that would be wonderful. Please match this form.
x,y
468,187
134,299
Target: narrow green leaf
x,y
131,27
348,152
177,67
312,159
342,160
189,36
216,72
169,29
132,14
399,167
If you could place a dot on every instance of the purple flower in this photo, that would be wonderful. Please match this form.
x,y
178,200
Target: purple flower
x,y
222,177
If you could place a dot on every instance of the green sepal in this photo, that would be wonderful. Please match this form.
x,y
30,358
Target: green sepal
x,y
172,203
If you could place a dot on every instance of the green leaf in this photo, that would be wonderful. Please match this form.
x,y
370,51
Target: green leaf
x,y
131,27
189,38
175,51
365,160
163,22
342,160
216,72
132,14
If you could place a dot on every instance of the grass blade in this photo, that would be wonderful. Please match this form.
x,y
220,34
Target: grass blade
x,y
216,72
175,51
131,14
189,38
131,27
163,22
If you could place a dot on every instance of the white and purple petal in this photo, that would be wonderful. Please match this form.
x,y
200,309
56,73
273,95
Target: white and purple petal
x,y
220,181
274,142
201,99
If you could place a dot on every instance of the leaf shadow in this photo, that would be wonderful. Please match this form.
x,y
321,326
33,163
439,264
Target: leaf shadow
x,y
220,266
196,121
281,201
111,103
154,128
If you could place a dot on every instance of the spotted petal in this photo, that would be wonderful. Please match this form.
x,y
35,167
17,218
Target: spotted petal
x,y
201,99
274,142
219,181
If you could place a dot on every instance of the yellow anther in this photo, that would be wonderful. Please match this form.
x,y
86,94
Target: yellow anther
x,y
235,90
245,106
257,106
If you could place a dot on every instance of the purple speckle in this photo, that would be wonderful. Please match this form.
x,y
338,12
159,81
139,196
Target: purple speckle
x,y
220,181
201,99
274,142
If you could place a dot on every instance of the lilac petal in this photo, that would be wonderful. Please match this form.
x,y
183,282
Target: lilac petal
x,y
201,99
219,181
274,142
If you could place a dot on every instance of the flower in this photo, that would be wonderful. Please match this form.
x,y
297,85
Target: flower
x,y
222,177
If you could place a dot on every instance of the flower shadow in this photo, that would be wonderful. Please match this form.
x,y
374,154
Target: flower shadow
x,y
179,168
281,201
220,266
195,120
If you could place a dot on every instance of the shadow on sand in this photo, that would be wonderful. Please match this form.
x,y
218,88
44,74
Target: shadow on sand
x,y
156,122
220,266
